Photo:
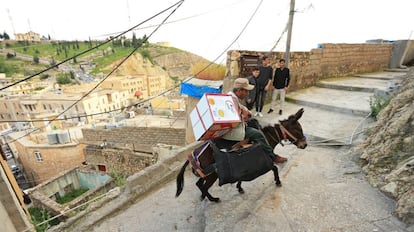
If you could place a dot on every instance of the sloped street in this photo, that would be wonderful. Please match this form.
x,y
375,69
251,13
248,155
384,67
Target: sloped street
x,y
324,188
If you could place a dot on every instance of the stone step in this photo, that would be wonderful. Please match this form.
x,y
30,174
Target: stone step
x,y
348,102
382,75
354,84
404,70
320,125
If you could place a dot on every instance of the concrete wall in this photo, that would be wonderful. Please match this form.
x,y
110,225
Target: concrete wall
x,y
135,138
43,195
138,184
331,60
12,211
92,180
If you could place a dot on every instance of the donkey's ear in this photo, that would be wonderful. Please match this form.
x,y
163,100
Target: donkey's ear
x,y
299,114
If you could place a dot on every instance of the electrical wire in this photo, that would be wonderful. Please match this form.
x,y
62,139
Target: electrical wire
x,y
160,94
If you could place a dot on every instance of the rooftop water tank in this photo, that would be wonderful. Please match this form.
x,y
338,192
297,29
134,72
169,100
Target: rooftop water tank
x,y
52,139
63,137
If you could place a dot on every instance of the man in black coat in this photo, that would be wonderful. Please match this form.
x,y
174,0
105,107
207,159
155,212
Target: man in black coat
x,y
280,84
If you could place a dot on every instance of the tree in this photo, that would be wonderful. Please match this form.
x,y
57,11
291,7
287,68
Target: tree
x,y
135,43
6,36
36,59
63,79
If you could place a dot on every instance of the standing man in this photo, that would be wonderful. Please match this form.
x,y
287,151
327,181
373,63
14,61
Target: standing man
x,y
263,84
251,98
280,83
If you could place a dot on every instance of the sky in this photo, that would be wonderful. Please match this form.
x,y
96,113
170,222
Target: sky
x,y
210,28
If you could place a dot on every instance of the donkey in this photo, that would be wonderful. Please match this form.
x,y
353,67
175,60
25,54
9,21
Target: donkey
x,y
204,165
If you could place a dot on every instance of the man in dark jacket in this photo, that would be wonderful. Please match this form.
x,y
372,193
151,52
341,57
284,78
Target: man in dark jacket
x,y
250,99
280,84
263,84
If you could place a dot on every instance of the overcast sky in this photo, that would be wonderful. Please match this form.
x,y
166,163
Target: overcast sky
x,y
208,27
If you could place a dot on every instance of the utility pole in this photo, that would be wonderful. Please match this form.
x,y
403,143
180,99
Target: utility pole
x,y
289,35
11,21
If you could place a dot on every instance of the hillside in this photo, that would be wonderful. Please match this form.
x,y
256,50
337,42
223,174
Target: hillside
x,y
177,63
388,153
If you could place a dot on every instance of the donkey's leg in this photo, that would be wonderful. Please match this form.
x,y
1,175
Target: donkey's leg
x,y
210,179
276,174
241,190
200,184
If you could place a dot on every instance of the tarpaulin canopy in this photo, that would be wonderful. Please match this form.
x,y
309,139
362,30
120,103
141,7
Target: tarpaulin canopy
x,y
197,88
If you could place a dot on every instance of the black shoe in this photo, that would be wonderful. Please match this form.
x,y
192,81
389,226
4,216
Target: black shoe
x,y
280,112
270,111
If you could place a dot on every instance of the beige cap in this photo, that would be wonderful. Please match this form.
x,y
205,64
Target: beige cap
x,y
243,83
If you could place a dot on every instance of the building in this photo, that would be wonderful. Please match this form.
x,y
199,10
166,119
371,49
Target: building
x,y
136,86
13,211
29,36
45,155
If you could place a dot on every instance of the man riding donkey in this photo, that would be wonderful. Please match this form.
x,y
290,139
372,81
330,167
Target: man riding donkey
x,y
241,88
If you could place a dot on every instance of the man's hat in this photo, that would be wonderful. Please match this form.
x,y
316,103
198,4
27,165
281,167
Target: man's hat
x,y
243,83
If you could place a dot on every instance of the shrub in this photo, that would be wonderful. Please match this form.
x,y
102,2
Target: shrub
x,y
377,103
63,79
39,215
44,76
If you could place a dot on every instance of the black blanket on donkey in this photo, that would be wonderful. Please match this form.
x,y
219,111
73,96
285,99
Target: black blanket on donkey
x,y
244,164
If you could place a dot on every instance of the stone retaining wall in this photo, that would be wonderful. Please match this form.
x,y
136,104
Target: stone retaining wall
x,y
331,60
135,138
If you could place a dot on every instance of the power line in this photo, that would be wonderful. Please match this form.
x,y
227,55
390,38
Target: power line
x,y
150,98
174,21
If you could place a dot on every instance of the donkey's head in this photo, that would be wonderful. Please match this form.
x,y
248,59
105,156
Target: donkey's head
x,y
292,130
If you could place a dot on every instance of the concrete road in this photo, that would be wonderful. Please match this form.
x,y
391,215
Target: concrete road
x,y
323,190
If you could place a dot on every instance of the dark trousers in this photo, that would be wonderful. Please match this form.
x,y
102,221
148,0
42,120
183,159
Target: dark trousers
x,y
250,105
257,136
260,98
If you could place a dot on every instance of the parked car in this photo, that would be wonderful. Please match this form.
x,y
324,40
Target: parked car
x,y
15,169
9,155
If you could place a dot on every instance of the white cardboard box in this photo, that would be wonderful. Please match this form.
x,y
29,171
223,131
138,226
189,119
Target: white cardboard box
x,y
213,116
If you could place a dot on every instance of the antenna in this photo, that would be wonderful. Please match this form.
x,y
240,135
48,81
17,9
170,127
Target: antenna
x,y
30,26
129,16
11,20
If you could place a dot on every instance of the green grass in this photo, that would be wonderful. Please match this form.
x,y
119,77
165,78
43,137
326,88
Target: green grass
x,y
378,103
58,51
14,66
39,215
71,195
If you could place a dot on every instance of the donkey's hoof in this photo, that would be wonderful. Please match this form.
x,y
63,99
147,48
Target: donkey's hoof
x,y
202,197
241,191
279,184
215,199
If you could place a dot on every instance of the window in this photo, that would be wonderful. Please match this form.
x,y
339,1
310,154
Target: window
x,y
101,168
38,156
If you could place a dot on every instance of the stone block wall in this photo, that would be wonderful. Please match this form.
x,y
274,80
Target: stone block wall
x,y
119,161
136,138
331,60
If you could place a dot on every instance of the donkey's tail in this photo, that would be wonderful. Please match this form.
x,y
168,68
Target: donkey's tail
x,y
180,179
